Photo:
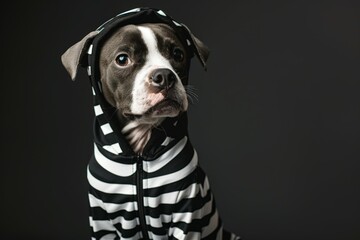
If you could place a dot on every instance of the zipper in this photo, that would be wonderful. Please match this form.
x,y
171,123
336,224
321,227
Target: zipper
x,y
140,198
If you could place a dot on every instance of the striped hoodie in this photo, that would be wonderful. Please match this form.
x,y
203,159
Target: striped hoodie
x,y
161,194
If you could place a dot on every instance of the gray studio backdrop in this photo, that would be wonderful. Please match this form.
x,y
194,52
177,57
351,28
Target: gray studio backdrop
x,y
276,124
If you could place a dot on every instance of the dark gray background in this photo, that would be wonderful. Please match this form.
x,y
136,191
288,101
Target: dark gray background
x,y
276,125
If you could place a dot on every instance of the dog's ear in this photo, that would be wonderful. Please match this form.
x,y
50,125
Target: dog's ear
x,y
200,49
74,56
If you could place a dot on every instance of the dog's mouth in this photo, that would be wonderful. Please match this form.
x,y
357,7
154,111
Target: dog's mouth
x,y
165,108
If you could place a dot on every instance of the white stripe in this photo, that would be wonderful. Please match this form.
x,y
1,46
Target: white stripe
x,y
114,148
126,224
158,222
89,70
132,10
138,235
95,202
176,23
110,236
93,91
154,59
167,141
90,50
161,13
112,207
99,225
219,235
113,236
193,190
213,224
179,234
125,189
234,237
158,237
119,169
98,110
172,177
100,87
165,198
152,166
106,128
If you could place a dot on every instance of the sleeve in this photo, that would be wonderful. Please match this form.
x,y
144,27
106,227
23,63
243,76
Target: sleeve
x,y
196,210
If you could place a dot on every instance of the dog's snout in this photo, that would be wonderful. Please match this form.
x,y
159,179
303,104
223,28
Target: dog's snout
x,y
163,78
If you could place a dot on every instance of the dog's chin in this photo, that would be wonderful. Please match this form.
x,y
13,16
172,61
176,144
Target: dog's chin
x,y
163,109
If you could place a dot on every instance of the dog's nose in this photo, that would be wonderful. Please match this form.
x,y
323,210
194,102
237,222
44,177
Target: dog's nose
x,y
163,78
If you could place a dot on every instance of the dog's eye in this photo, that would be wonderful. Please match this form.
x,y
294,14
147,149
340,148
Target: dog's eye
x,y
178,55
123,60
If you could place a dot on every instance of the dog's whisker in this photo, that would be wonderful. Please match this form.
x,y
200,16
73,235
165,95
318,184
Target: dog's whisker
x,y
190,88
192,97
191,94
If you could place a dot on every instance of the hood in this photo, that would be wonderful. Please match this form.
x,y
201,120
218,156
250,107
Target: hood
x,y
107,131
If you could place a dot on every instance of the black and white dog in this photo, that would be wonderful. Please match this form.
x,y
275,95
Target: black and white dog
x,y
145,181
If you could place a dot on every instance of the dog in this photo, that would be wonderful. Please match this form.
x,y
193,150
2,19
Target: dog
x,y
145,181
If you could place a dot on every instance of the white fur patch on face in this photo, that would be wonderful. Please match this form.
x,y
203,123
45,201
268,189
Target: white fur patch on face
x,y
142,100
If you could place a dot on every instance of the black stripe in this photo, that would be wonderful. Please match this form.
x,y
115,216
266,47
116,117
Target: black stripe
x,y
112,197
125,214
97,213
164,230
179,162
227,235
185,205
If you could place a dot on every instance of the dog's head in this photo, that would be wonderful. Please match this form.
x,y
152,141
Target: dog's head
x,y
142,68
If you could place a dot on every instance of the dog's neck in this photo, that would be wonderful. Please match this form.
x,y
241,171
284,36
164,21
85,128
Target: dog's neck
x,y
138,132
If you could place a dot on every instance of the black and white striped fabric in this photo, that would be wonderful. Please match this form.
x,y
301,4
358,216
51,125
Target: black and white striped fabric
x,y
162,194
